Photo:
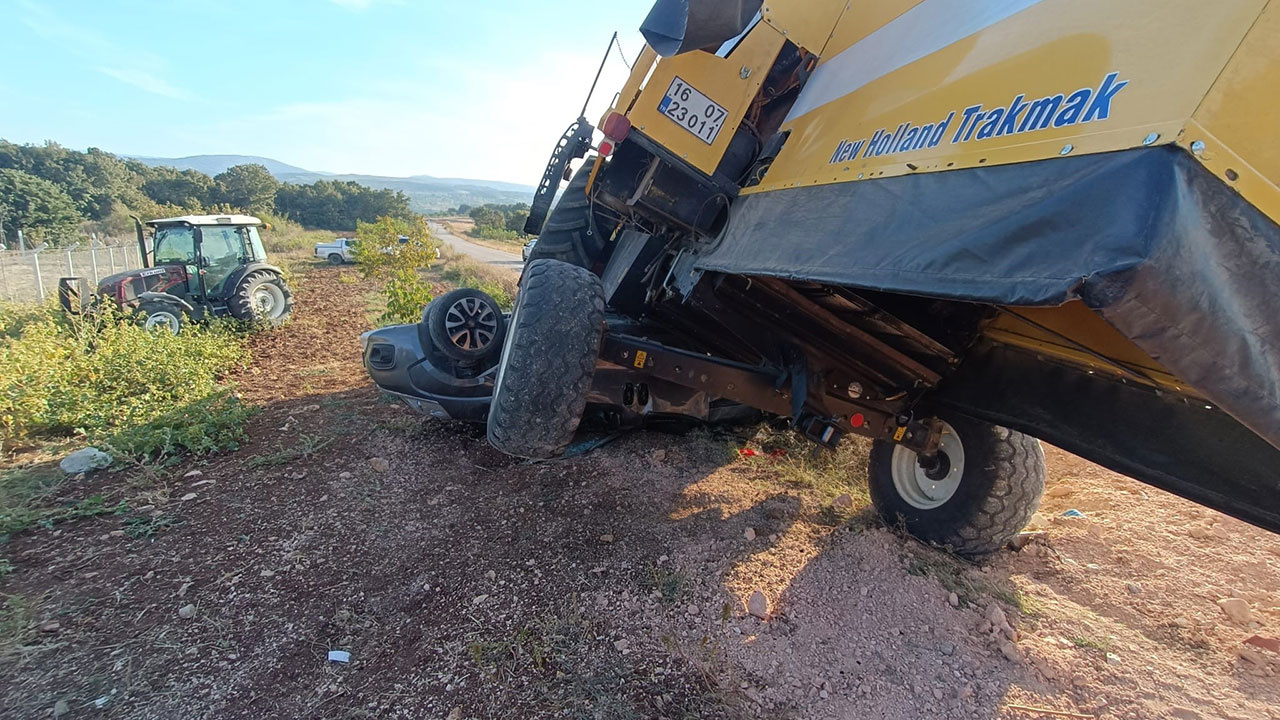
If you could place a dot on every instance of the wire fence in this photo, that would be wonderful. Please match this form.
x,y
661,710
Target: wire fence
x,y
32,275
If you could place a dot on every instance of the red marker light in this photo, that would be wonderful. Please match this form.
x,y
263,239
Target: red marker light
x,y
857,420
616,127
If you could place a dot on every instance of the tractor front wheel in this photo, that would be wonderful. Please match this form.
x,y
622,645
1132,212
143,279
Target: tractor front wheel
x,y
262,296
159,317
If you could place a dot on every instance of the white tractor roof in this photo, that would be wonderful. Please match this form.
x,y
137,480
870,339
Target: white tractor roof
x,y
207,220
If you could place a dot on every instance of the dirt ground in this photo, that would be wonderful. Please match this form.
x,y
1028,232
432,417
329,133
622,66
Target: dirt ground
x,y
467,584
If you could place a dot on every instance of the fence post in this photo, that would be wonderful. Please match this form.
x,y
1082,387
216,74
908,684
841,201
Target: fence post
x,y
93,260
35,263
71,269
4,277
111,253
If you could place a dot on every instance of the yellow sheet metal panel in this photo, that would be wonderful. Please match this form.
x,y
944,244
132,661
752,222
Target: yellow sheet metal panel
x,y
1003,82
1239,118
731,82
1090,336
807,23
631,88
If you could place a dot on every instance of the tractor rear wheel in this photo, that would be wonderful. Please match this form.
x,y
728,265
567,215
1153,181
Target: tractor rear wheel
x,y
160,317
262,296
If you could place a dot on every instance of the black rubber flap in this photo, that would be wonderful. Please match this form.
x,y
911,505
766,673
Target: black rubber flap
x,y
1166,252
678,26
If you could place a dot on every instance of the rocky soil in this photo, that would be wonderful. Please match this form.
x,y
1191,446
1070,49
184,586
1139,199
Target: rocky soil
x,y
657,576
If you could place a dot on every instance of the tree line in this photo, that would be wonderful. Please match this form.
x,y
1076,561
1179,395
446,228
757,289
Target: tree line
x,y
53,194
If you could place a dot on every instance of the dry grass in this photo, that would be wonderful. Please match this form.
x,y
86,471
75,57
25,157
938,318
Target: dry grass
x,y
456,270
824,474
17,623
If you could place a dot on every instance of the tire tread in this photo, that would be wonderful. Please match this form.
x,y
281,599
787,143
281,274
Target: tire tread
x,y
555,338
240,304
1015,464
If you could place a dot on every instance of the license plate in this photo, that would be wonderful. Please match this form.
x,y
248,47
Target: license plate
x,y
693,111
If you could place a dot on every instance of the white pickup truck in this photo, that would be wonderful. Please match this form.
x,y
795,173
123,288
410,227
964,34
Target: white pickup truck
x,y
336,252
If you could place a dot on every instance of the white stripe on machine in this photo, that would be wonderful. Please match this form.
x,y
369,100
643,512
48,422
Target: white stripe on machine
x,y
917,33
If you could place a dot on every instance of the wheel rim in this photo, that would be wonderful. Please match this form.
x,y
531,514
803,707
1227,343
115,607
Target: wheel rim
x,y
929,488
162,320
268,301
471,324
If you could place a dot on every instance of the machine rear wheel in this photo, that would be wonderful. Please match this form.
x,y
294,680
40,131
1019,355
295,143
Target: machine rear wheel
x,y
335,259
982,488
553,340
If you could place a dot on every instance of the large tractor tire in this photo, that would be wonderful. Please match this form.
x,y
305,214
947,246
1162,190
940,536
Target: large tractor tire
x,y
982,490
262,296
553,340
574,232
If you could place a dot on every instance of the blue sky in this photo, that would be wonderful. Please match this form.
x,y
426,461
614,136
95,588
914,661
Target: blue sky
x,y
478,88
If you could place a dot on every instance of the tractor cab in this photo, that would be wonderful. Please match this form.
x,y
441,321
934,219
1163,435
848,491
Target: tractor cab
x,y
205,251
194,266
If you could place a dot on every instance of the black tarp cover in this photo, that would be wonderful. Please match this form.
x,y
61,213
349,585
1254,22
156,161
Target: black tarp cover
x,y
1162,249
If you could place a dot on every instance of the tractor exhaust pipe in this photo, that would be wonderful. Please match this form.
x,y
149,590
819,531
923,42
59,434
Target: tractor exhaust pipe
x,y
142,242
679,26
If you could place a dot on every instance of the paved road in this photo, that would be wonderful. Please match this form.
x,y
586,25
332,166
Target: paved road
x,y
479,252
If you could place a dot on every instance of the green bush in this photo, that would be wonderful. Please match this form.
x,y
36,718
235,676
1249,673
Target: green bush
x,y
490,232
497,218
397,266
113,384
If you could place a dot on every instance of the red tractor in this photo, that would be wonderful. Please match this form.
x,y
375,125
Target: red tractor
x,y
194,267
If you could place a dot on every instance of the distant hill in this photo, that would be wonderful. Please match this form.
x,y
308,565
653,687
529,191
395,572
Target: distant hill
x,y
492,184
214,164
427,194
